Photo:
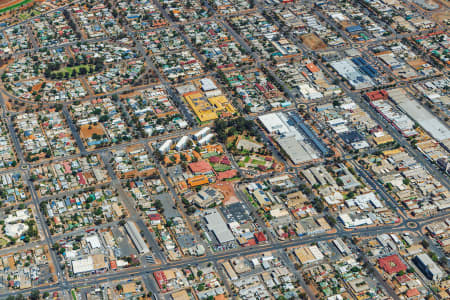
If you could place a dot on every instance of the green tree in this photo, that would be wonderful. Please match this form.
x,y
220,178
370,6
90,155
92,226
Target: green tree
x,y
34,295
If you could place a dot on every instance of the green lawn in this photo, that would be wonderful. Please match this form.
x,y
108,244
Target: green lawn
x,y
258,162
28,14
221,167
73,295
3,242
247,159
209,154
76,68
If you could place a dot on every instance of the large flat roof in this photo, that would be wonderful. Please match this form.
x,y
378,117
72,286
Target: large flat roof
x,y
347,69
298,151
275,123
136,237
217,225
427,120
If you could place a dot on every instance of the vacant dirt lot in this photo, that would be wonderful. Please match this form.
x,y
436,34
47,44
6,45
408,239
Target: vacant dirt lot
x,y
312,41
228,191
88,130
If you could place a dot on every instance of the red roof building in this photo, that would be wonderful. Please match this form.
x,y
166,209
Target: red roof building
x,y
260,237
160,278
225,160
250,242
214,159
312,67
377,95
200,167
403,279
81,179
113,265
412,293
154,217
226,174
392,264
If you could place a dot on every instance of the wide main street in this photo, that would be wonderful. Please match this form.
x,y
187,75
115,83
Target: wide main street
x,y
278,245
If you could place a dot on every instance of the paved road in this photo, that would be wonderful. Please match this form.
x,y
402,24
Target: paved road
x,y
298,274
74,130
11,130
100,278
48,237
131,207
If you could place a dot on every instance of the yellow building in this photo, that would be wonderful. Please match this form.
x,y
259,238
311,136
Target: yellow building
x,y
208,109
221,103
198,180
392,152
383,139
